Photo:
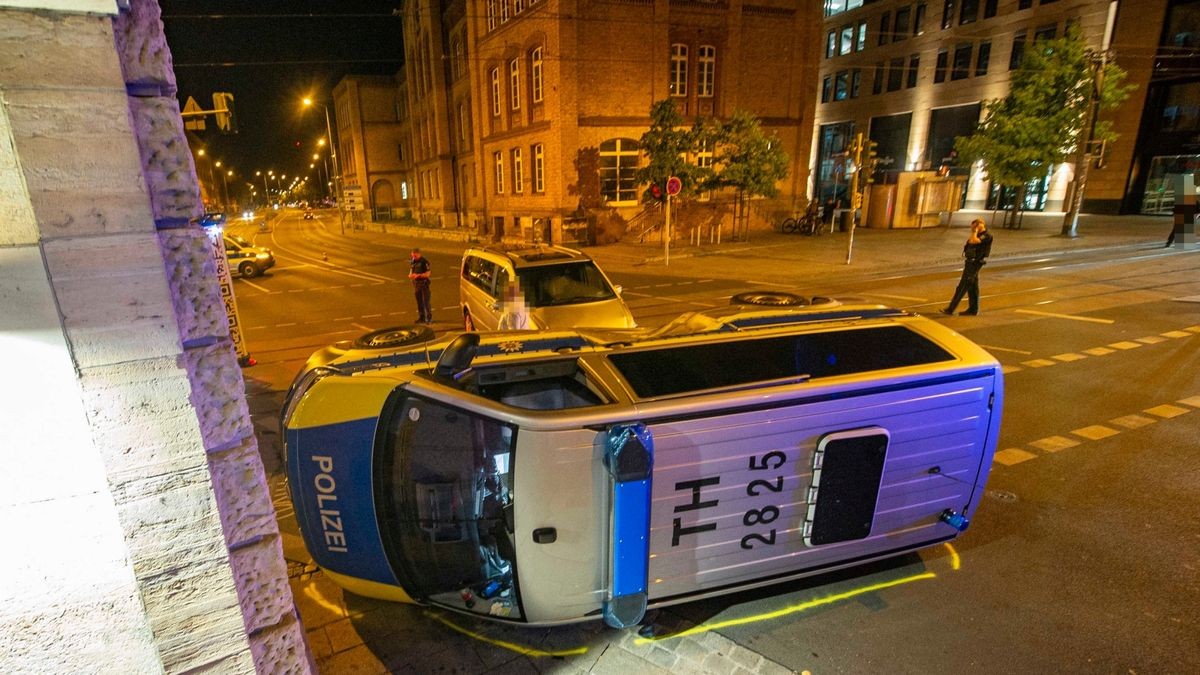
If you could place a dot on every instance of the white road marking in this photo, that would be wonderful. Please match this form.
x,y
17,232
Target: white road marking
x,y
362,327
898,297
254,285
285,325
1072,317
1005,349
370,316
343,318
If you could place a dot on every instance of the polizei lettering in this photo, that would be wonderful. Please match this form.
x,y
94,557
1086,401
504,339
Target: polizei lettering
x,y
331,517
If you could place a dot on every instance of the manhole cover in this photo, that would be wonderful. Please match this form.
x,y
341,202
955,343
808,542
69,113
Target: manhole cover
x,y
1002,496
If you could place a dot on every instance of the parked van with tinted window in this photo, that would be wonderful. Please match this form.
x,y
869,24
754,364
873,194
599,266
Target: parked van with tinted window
x,y
559,476
562,288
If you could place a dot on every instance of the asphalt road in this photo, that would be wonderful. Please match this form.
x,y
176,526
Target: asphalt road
x,y
1084,557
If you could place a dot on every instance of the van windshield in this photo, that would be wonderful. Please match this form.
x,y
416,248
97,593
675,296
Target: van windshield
x,y
445,500
564,284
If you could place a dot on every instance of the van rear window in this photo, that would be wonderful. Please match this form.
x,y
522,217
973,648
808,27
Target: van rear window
x,y
677,370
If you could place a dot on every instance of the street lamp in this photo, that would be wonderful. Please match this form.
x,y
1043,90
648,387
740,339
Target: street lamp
x,y
337,172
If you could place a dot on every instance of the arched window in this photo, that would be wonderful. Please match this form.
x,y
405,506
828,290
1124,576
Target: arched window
x,y
706,68
618,163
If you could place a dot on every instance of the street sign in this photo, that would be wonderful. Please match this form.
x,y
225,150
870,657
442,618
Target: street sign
x,y
674,185
352,198
193,123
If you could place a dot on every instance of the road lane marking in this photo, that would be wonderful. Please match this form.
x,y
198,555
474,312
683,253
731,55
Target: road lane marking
x,y
1132,421
1193,401
1011,456
1151,340
1125,344
285,325
1069,357
1098,351
1166,411
1005,349
1095,432
1054,443
254,285
906,298
343,318
1193,329
1176,334
1073,317
1038,363
370,316
362,327
1010,369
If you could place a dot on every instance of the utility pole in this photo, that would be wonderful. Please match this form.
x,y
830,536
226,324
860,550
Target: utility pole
x,y
1084,156
855,152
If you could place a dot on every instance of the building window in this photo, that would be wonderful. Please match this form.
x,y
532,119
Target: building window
x,y
860,41
830,45
939,69
535,73
1018,51
962,61
948,14
518,165
514,84
895,74
840,82
518,6
885,27
900,29
491,14
855,82
847,42
498,160
919,19
877,83
914,63
982,58
539,168
989,9
1024,4
463,122
503,11
618,168
496,91
1046,32
826,88
706,67
704,154
679,65
969,12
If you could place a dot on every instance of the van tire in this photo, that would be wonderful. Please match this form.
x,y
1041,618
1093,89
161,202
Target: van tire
x,y
396,336
768,299
248,270
468,322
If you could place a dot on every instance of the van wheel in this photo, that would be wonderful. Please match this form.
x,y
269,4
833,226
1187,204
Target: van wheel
x,y
468,323
397,336
248,270
768,299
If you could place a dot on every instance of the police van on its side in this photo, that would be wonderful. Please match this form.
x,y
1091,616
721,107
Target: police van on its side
x,y
560,476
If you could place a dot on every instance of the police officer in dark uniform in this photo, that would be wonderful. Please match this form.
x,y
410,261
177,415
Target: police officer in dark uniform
x,y
975,252
419,273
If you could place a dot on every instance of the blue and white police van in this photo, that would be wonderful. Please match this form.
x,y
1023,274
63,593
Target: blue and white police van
x,y
553,477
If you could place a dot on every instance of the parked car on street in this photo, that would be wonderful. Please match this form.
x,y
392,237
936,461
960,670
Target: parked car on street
x,y
308,213
562,288
249,260
558,476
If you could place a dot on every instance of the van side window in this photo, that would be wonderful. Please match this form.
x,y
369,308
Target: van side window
x,y
481,273
677,370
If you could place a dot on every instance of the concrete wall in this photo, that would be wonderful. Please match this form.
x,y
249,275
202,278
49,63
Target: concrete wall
x,y
147,536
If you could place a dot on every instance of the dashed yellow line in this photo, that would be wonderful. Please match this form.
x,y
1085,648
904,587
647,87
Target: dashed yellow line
x,y
1151,339
1069,357
1098,351
1038,363
1176,334
1166,411
1097,432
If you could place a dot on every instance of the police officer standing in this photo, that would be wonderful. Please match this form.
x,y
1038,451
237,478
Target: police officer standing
x,y
419,273
975,252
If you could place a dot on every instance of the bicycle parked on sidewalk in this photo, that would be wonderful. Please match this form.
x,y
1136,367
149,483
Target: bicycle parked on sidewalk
x,y
808,224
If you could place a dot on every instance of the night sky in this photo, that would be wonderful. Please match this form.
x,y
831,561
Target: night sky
x,y
270,54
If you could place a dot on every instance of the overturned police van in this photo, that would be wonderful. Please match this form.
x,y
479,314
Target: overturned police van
x,y
552,477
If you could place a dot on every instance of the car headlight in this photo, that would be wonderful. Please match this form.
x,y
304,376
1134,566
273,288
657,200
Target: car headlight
x,y
264,256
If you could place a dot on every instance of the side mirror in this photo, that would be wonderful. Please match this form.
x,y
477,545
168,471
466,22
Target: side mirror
x,y
618,289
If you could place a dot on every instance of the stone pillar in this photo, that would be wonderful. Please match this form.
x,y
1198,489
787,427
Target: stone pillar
x,y
147,539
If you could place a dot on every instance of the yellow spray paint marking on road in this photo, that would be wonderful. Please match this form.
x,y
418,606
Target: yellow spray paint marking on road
x,y
794,609
314,594
511,646
955,561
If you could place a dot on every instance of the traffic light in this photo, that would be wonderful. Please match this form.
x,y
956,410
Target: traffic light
x,y
871,161
223,107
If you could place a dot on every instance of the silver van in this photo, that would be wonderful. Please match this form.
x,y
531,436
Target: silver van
x,y
561,476
562,287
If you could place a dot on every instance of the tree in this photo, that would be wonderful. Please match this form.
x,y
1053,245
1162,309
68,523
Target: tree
x,y
749,161
1046,115
667,146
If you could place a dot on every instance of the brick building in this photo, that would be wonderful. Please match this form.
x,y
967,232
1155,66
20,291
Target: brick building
x,y
513,107
913,74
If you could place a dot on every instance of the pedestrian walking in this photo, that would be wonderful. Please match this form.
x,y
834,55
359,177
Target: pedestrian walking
x,y
419,273
975,254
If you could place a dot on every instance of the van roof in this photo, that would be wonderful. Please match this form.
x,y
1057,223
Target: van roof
x,y
534,255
